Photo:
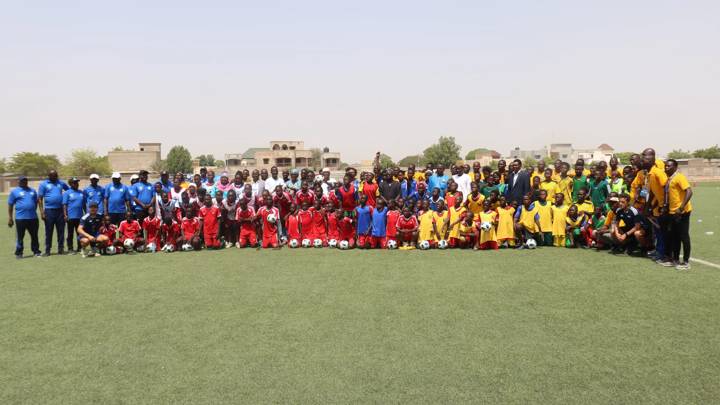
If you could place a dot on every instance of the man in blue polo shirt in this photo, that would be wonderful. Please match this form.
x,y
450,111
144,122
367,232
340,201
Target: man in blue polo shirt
x,y
439,180
116,199
94,193
144,196
73,208
50,198
24,201
165,181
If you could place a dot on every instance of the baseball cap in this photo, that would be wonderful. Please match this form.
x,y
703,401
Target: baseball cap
x,y
164,173
116,175
21,178
614,199
134,177
94,176
73,179
294,171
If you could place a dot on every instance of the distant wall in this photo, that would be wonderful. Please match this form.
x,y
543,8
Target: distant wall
x,y
131,160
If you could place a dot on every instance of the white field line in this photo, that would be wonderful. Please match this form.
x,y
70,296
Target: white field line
x,y
706,263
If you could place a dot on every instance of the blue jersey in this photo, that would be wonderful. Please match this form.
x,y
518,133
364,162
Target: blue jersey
x,y
73,199
379,222
25,202
91,224
167,186
408,188
364,218
116,197
144,192
94,194
52,192
440,182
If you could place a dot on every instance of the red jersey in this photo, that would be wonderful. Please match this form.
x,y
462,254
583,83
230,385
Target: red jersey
x,y
451,198
210,217
301,197
190,227
306,223
151,225
282,202
269,228
129,230
333,232
331,198
407,223
318,223
170,232
292,225
110,231
348,197
346,228
247,213
370,190
392,219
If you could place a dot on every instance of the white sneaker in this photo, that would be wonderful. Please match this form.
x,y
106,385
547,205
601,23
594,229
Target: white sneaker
x,y
237,245
682,266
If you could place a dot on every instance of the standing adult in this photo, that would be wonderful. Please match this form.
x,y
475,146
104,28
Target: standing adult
x,y
389,188
117,197
165,181
73,210
143,195
94,193
24,201
678,207
518,182
274,180
50,198
463,180
439,180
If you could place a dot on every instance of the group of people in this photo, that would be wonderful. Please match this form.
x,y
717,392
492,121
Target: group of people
x,y
640,209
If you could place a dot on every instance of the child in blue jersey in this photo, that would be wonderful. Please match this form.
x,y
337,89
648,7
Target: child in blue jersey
x,y
379,225
73,209
363,213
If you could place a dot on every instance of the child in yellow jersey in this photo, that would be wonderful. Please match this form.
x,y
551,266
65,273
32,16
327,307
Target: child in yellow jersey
x,y
425,229
468,232
584,205
440,221
564,183
456,216
545,215
505,227
549,185
559,213
475,200
574,223
487,238
527,221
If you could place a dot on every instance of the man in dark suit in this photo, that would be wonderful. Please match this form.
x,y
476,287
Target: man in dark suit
x,y
518,182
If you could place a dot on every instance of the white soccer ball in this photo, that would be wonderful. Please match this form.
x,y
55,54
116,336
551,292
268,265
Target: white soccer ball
x,y
294,243
129,244
271,218
110,250
333,243
187,247
424,245
391,244
344,245
486,226
168,248
443,244
306,243
151,248
531,244
318,243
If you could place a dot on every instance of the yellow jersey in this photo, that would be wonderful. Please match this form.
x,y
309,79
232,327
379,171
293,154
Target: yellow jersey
x,y
558,222
506,226
491,235
475,204
425,228
527,218
586,207
677,190
550,187
456,215
654,180
546,216
564,186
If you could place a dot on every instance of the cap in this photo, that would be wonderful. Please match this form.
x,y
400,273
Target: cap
x,y
21,178
164,173
73,179
614,199
116,175
294,171
94,176
325,169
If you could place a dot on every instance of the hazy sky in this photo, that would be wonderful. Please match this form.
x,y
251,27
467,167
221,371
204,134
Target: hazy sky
x,y
222,76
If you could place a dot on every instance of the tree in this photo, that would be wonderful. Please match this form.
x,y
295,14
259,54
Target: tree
x,y
178,160
3,165
159,166
118,149
624,157
33,164
679,154
445,151
712,152
84,162
416,160
471,155
207,160
219,163
386,161
529,162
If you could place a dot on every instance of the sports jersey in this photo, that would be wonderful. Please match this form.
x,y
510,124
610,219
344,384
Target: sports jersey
x,y
109,230
576,223
407,224
25,202
51,192
129,229
586,207
456,215
346,228
379,222
304,197
189,227
577,184
347,197
319,230
450,199
91,224
269,228
151,225
490,235
333,230
506,226
144,192
527,217
292,225
392,218
282,202
73,199
439,182
371,191
210,217
475,203
364,219
599,191
426,221
244,214
627,218
545,215
565,186
170,233
305,217
550,188
558,223
677,186
651,181
116,197
94,194
441,223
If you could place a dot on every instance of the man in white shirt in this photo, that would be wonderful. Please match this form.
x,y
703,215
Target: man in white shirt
x,y
274,180
462,180
328,182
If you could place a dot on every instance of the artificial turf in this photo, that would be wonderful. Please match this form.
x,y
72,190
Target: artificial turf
x,y
316,326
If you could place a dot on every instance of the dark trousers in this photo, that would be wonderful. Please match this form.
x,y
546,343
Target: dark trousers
x,y
678,236
116,217
54,220
31,226
72,225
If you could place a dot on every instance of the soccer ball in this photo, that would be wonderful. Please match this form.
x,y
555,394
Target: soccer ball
x,y
486,226
129,244
110,250
294,243
187,247
443,244
531,244
318,243
333,243
271,218
344,245
151,248
424,245
168,248
306,243
391,244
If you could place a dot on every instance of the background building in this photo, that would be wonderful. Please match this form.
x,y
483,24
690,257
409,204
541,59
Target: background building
x,y
145,157
283,154
565,152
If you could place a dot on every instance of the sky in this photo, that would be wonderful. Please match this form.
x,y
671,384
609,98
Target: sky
x,y
358,77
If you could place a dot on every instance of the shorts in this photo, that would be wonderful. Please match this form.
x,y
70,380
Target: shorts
x,y
364,240
489,245
247,238
405,237
270,241
212,241
378,242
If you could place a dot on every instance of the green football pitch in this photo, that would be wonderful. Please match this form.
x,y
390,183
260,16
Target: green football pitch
x,y
318,326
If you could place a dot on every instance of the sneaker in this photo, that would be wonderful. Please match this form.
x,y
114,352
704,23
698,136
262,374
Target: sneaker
x,y
18,257
665,263
682,266
61,252
237,245
37,255
46,254
651,253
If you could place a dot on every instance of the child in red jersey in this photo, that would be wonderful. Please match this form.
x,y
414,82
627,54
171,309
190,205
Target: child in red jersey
x,y
269,227
305,217
407,227
110,231
130,229
191,230
333,219
292,226
346,229
319,222
228,211
246,220
304,195
210,219
392,216
170,233
151,225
